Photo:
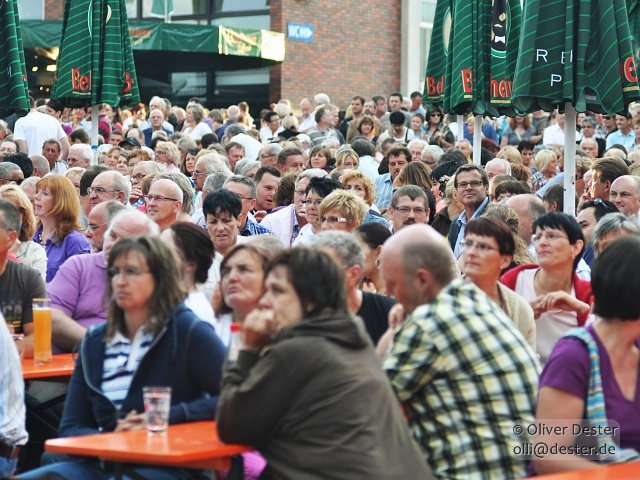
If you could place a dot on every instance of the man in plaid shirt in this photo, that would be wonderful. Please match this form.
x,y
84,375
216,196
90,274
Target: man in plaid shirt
x,y
461,369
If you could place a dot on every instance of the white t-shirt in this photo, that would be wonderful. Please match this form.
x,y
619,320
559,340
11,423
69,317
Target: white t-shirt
x,y
198,131
35,128
551,325
199,304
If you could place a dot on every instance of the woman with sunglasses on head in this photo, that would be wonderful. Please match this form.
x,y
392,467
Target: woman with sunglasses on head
x,y
560,299
437,132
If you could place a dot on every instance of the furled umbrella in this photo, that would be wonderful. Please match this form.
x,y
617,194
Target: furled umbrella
x,y
95,64
483,52
14,93
575,55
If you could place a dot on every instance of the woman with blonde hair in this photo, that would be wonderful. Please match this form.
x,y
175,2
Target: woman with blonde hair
x,y
362,186
346,158
25,249
57,207
167,154
511,154
547,164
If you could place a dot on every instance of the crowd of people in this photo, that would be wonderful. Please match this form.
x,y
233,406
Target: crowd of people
x,y
401,308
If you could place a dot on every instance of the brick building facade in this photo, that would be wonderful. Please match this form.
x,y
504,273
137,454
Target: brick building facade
x,y
355,50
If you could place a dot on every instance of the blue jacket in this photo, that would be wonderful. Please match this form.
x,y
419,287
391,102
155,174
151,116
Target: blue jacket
x,y
186,355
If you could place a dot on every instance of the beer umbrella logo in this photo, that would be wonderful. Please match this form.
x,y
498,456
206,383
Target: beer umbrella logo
x,y
500,28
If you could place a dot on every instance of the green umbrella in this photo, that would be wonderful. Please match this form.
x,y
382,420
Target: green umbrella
x,y
482,56
575,55
633,10
95,64
575,51
14,93
434,76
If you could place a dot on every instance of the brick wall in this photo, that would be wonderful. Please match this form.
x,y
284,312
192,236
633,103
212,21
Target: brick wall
x,y
355,51
53,9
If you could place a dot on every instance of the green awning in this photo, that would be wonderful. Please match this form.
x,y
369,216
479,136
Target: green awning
x,y
174,37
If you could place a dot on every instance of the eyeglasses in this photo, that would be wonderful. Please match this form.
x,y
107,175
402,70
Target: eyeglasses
x,y
480,247
299,192
436,114
265,157
315,203
158,152
406,210
197,174
128,272
158,198
100,190
333,219
474,184
138,177
549,235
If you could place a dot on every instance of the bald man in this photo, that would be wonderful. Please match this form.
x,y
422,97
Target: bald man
x,y
110,185
625,194
446,359
164,202
78,288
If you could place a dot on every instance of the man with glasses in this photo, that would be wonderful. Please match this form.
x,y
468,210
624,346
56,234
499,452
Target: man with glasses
x,y
8,147
98,220
589,137
10,173
245,189
140,170
269,155
409,205
164,202
472,187
110,185
287,222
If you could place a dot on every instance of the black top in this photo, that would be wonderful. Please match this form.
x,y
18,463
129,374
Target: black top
x,y
375,312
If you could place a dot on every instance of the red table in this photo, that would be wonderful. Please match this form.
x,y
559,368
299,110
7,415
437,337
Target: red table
x,y
624,471
185,445
61,367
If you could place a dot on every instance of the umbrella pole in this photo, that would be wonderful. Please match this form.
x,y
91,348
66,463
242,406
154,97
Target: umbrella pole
x,y
569,159
460,121
477,139
94,133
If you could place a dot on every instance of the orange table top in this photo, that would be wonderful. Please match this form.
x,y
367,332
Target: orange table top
x,y
624,471
191,445
61,366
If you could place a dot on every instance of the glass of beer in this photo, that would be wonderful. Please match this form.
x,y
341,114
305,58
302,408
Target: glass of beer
x,y
41,331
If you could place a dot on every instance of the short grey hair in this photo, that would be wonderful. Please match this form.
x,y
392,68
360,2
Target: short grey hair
x,y
311,173
271,149
611,223
417,141
242,180
6,168
40,163
345,245
214,162
112,208
213,183
85,150
246,164
151,226
183,182
121,183
434,150
500,161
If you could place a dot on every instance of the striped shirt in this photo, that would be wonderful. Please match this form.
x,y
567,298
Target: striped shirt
x,y
12,409
466,376
121,360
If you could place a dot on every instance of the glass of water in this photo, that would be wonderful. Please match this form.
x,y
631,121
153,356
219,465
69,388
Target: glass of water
x,y
157,403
